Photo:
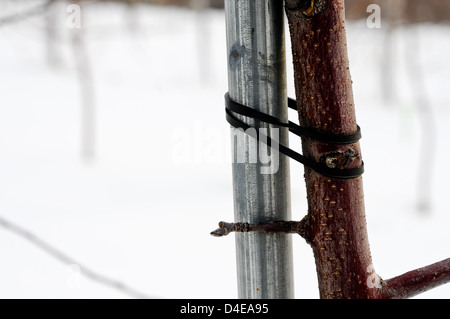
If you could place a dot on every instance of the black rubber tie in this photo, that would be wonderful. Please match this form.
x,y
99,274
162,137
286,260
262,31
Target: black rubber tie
x,y
321,168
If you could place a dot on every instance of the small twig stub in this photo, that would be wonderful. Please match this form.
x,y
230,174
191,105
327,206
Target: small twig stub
x,y
285,227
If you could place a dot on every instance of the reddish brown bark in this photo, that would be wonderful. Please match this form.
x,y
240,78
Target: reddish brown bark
x,y
417,281
335,226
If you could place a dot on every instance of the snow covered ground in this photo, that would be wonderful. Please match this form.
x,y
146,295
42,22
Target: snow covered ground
x,y
142,210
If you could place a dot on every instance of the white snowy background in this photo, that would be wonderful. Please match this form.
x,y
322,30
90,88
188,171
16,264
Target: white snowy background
x,y
142,209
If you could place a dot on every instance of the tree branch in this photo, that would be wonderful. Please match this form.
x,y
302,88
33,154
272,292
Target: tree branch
x,y
417,281
65,259
270,227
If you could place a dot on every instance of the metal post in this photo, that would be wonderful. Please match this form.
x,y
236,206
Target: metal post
x,y
257,78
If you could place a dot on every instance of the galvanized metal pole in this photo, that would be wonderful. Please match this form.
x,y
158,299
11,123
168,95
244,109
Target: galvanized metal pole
x,y
257,78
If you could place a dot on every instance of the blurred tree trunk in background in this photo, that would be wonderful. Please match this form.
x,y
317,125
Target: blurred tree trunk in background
x,y
132,15
86,85
51,35
392,16
203,38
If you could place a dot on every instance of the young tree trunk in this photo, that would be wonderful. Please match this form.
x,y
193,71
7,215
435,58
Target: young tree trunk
x,y
335,225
